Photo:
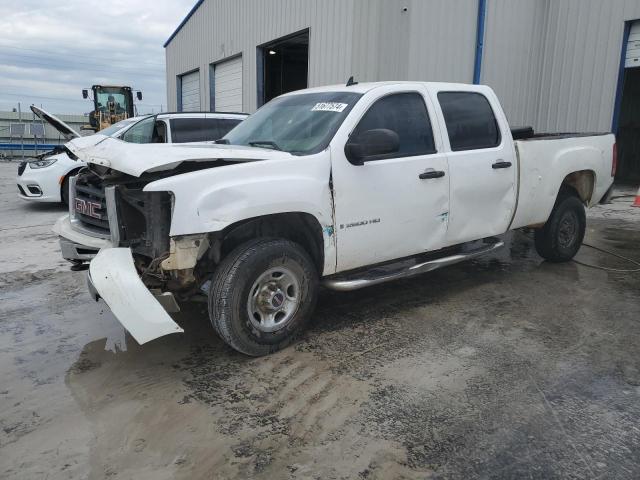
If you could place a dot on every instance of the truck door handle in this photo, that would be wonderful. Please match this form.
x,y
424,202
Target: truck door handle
x,y
431,174
501,164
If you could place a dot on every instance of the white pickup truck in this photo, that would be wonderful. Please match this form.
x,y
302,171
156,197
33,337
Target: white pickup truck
x,y
343,186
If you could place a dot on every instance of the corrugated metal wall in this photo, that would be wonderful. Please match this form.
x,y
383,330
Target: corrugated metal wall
x,y
513,55
583,40
371,39
553,63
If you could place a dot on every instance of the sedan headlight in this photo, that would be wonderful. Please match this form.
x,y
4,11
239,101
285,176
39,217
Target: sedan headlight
x,y
43,163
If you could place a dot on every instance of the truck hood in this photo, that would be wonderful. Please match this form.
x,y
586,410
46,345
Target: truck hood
x,y
135,159
67,132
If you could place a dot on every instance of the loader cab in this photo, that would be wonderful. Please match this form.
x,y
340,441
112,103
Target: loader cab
x,y
111,104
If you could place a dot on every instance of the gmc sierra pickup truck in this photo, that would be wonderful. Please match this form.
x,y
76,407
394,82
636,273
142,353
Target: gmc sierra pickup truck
x,y
343,186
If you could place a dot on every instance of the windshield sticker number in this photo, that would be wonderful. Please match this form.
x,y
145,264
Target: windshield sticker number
x,y
329,107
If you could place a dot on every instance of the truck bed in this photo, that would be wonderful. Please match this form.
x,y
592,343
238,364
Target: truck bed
x,y
545,160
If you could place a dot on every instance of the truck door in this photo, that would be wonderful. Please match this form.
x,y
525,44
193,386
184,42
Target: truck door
x,y
482,165
391,205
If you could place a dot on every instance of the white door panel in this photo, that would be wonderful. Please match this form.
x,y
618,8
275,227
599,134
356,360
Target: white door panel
x,y
483,177
228,85
482,198
632,59
190,91
383,209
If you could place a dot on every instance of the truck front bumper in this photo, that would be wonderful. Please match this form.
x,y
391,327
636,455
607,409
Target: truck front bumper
x,y
75,252
76,245
114,278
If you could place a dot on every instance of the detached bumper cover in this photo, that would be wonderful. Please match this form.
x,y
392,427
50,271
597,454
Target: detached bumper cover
x,y
113,277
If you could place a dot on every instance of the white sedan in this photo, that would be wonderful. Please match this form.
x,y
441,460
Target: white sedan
x,y
47,178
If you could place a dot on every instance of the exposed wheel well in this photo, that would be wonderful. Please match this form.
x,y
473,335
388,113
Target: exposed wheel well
x,y
301,228
580,183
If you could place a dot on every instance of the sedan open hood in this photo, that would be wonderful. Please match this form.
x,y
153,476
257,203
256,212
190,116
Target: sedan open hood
x,y
135,159
66,131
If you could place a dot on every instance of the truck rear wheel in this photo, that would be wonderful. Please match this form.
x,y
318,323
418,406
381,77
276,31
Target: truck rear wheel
x,y
262,295
561,237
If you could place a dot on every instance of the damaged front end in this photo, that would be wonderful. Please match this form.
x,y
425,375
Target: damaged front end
x,y
141,221
147,271
159,255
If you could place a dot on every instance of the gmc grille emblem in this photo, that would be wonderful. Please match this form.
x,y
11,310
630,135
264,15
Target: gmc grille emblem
x,y
86,207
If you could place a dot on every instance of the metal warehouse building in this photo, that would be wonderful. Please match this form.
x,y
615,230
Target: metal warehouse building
x,y
558,65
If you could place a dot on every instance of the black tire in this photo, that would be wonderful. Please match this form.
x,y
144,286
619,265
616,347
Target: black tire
x,y
561,237
64,191
233,294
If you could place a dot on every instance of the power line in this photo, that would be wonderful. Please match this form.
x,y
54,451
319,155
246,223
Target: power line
x,y
51,52
77,67
65,99
22,95
68,58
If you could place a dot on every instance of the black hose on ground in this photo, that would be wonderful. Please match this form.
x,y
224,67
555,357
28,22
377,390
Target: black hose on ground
x,y
609,269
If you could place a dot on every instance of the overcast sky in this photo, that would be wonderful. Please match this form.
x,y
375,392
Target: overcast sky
x,y
51,49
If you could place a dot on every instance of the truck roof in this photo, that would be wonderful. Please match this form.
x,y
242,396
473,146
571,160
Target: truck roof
x,y
365,87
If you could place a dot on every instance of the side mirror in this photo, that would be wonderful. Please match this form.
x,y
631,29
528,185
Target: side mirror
x,y
371,144
85,93
139,95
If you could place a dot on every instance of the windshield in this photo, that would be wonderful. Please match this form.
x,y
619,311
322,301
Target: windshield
x,y
116,127
111,100
300,124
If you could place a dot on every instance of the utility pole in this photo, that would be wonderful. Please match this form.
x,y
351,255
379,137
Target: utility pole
x,y
22,136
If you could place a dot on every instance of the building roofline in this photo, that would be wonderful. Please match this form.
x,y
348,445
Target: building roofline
x,y
185,20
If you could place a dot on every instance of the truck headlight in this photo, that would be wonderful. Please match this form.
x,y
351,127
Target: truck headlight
x,y
43,163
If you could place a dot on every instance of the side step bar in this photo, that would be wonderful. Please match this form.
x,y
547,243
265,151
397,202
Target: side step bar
x,y
403,269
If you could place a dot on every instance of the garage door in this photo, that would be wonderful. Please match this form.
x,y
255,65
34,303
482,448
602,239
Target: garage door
x,y
190,90
228,86
633,46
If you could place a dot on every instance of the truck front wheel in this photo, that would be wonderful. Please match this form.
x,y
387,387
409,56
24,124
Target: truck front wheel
x,y
561,237
262,295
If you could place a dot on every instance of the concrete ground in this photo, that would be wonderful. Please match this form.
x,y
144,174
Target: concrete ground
x,y
504,367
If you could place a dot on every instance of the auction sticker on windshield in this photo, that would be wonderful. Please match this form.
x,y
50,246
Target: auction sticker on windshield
x,y
329,107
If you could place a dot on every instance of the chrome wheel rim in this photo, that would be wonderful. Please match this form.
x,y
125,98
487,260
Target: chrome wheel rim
x,y
568,229
274,299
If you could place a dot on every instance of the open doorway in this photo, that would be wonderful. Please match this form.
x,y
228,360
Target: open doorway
x,y
626,118
283,66
628,136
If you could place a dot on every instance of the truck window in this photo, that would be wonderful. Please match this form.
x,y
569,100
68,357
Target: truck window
x,y
184,130
470,121
406,114
141,132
